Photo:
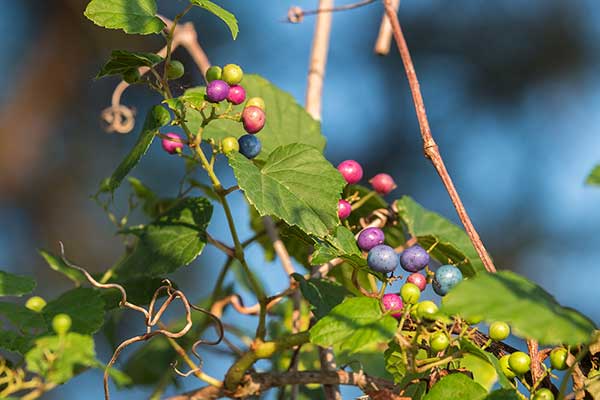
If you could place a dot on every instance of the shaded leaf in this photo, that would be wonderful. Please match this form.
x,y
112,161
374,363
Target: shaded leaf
x,y
322,294
456,386
22,318
122,61
473,349
85,306
137,16
220,12
13,341
57,264
503,394
15,285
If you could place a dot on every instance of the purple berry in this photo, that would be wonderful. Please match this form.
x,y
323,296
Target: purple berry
x,y
217,91
382,183
392,302
237,94
253,119
351,171
369,238
382,258
344,209
417,279
171,146
414,258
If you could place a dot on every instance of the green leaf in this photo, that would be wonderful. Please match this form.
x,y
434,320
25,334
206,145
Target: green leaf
x,y
342,243
474,350
220,12
594,176
71,352
394,362
296,184
503,394
531,311
353,325
22,318
137,16
452,244
13,341
456,386
157,118
287,122
57,264
483,372
322,294
15,285
122,61
172,241
85,306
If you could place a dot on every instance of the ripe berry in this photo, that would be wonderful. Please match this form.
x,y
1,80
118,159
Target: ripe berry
x,y
410,293
35,303
446,277
171,146
351,171
369,238
382,258
232,74
213,73
253,119
237,95
392,302
61,323
256,102
383,183
230,144
439,342
505,367
217,91
499,331
250,146
558,358
414,259
519,362
417,279
543,394
344,209
175,69
132,76
426,310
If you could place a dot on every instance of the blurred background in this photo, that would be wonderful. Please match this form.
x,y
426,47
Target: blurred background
x,y
513,95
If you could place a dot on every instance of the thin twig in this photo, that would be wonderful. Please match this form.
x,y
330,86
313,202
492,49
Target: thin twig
x,y
296,14
384,39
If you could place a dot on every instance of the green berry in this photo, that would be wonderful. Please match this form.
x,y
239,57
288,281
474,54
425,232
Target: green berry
x,y
558,358
474,320
132,76
519,362
213,73
61,323
232,74
543,394
499,331
175,69
439,341
505,367
35,303
230,144
256,102
410,293
593,373
427,309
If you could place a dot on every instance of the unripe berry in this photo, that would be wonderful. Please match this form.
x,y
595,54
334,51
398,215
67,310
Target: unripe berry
x,y
446,277
417,279
253,119
392,302
558,358
499,331
171,146
351,171
237,95
217,91
439,341
426,310
250,146
369,238
232,74
213,73
230,144
344,209
256,102
35,303
519,362
505,367
410,293
382,258
543,394
132,76
175,69
61,323
414,259
382,183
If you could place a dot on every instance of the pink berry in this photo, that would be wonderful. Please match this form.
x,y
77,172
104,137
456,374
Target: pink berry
x,y
171,146
351,171
237,94
383,183
392,302
344,209
418,280
253,119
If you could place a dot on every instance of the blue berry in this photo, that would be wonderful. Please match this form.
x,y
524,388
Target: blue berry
x,y
446,277
414,259
382,258
250,146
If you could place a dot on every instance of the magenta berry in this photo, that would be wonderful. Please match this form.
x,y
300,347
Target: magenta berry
x,y
237,94
171,146
392,302
351,171
419,280
253,119
414,259
344,209
217,91
369,238
382,183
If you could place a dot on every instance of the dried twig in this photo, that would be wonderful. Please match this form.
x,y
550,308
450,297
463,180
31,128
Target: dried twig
x,y
297,14
384,39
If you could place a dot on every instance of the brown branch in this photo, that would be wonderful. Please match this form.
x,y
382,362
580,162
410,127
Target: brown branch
x,y
430,147
384,39
297,14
